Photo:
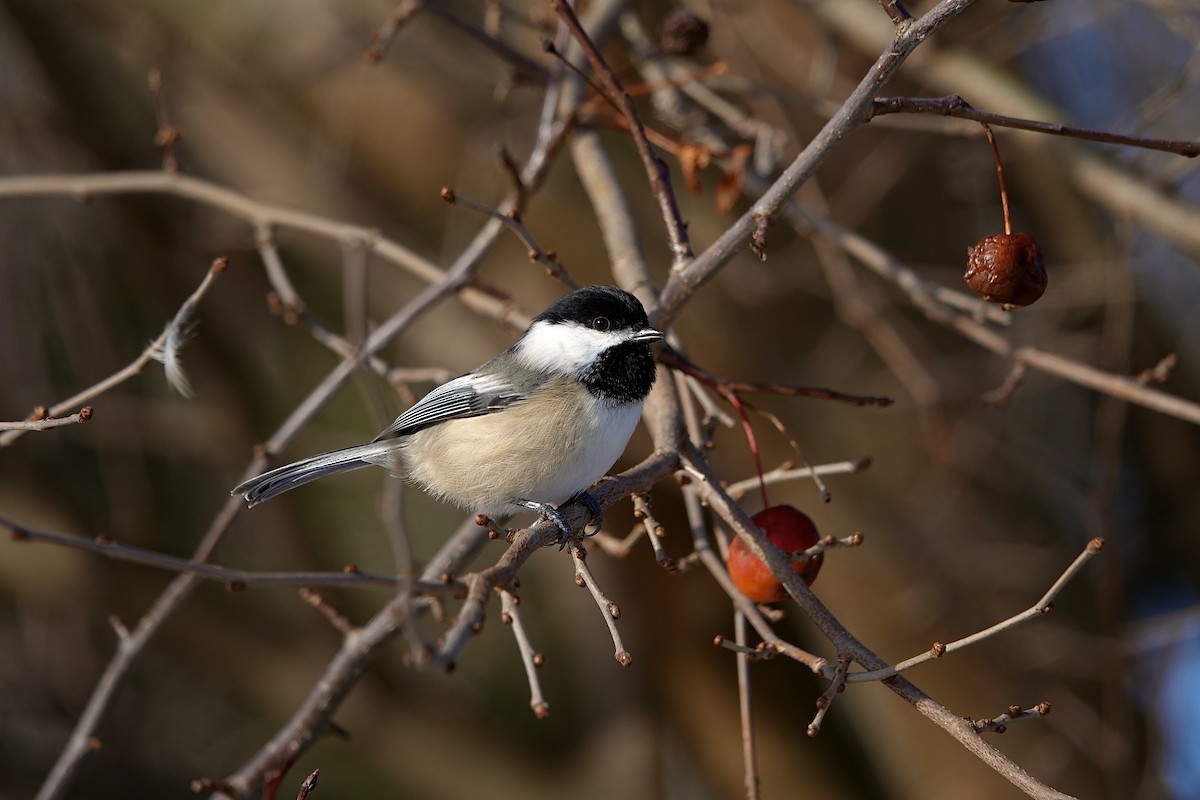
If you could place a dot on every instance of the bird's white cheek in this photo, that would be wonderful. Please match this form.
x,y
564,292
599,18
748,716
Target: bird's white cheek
x,y
563,348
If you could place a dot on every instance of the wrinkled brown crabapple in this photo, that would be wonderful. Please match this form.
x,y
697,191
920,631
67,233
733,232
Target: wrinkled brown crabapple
x,y
1006,268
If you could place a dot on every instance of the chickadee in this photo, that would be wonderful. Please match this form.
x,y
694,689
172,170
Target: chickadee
x,y
534,426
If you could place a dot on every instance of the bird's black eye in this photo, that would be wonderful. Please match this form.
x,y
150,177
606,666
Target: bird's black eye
x,y
601,324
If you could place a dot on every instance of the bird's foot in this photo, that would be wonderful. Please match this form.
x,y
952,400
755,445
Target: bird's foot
x,y
595,512
595,515
551,513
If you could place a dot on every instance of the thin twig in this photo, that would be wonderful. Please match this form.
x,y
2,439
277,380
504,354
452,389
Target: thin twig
x,y
745,712
234,579
999,723
654,531
386,33
168,135
656,169
609,610
332,615
1038,609
46,423
955,106
676,360
738,490
308,785
537,254
846,643
529,657
230,201
854,112
1119,386
836,686
154,351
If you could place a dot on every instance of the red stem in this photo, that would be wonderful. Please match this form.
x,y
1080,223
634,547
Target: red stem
x,y
1000,176
751,441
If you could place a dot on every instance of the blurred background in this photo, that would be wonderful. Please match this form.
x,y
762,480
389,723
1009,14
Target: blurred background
x,y
970,510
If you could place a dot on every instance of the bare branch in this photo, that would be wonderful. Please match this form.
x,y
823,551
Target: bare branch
x,y
656,169
547,258
609,610
999,723
45,423
955,106
836,686
745,711
855,111
845,642
157,350
235,579
532,659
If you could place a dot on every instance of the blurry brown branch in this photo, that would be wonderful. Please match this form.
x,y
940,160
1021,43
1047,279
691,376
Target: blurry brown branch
x,y
896,12
854,112
131,645
1122,387
955,106
258,214
676,360
512,220
667,414
963,72
524,68
234,579
168,134
745,711
314,716
386,33
787,473
656,170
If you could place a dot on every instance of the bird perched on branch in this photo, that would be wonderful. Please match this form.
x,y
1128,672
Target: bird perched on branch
x,y
531,428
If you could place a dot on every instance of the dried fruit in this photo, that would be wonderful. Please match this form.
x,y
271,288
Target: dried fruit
x,y
790,530
1006,268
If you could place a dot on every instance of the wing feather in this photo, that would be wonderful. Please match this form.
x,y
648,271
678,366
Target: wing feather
x,y
466,396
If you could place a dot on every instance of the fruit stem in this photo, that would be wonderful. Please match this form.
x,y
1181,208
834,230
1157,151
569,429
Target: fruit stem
x,y
751,441
999,176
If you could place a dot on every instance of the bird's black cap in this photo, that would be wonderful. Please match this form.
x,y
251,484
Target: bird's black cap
x,y
589,305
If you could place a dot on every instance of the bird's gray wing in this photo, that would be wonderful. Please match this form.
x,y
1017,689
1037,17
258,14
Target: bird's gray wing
x,y
470,395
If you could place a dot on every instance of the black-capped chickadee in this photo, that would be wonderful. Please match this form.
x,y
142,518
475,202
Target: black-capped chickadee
x,y
534,426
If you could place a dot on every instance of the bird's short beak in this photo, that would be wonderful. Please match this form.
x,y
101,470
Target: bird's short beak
x,y
647,335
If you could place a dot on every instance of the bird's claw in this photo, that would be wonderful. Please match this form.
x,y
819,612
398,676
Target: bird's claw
x,y
595,512
595,515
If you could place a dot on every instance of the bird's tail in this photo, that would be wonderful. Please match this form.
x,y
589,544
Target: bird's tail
x,y
285,478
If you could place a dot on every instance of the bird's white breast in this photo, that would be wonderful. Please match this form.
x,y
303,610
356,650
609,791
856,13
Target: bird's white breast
x,y
543,451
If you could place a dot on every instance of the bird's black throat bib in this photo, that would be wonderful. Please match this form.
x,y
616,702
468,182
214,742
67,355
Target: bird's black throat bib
x,y
621,374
